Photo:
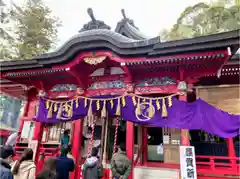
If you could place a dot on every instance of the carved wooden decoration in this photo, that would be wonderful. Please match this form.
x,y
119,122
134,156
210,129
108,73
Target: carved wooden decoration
x,y
94,60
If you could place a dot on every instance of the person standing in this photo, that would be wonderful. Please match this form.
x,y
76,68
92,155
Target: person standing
x,y
49,170
6,154
92,166
24,168
11,141
64,165
65,140
121,166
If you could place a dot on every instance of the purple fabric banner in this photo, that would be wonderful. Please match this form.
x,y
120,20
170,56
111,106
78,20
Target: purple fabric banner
x,y
198,115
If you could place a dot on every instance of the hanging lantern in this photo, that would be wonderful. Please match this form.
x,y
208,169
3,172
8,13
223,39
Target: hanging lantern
x,y
182,86
42,93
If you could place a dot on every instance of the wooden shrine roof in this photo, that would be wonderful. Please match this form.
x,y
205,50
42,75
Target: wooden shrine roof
x,y
127,43
102,39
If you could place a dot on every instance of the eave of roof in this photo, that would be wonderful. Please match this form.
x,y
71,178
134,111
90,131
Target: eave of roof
x,y
123,46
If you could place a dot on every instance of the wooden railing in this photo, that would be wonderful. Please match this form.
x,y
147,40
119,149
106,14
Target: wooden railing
x,y
218,165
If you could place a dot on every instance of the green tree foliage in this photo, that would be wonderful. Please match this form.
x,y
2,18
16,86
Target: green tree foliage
x,y
204,19
35,29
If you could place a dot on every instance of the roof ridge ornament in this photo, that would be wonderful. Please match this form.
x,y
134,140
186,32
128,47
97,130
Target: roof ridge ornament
x,y
90,13
123,14
94,23
126,19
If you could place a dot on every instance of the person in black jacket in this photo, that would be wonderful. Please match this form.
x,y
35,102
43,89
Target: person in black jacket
x,y
6,154
49,170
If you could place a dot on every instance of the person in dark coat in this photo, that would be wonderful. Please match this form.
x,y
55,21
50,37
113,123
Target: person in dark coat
x,y
121,165
49,170
92,166
6,154
64,165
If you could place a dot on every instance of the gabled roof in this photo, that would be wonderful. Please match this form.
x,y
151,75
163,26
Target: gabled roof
x,y
96,35
127,28
123,46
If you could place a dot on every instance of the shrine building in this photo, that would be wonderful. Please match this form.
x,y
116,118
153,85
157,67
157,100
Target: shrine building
x,y
104,79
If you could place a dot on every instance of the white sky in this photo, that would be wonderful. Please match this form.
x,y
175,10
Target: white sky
x,y
149,16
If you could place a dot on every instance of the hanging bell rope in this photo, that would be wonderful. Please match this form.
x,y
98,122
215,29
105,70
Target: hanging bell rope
x,y
115,136
91,140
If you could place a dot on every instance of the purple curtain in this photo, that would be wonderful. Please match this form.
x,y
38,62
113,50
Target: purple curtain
x,y
198,115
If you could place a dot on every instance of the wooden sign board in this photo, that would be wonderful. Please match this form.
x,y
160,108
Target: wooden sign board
x,y
188,162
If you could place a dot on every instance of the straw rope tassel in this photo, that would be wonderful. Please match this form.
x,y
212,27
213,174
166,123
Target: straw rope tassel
x,y
66,106
164,108
85,102
59,114
70,110
91,141
111,102
134,100
76,103
158,104
90,113
50,110
169,101
123,101
98,105
150,111
138,107
118,110
47,104
115,136
55,107
104,110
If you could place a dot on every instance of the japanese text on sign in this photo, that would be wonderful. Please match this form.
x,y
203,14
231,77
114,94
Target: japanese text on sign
x,y
188,162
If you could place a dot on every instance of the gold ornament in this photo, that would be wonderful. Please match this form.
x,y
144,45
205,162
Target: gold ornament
x,y
111,102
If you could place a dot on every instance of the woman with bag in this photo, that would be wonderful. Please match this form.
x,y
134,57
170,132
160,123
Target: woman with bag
x,y
24,168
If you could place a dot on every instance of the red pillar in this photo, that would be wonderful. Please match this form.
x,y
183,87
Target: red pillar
x,y
231,151
76,145
25,112
184,132
145,144
130,144
38,132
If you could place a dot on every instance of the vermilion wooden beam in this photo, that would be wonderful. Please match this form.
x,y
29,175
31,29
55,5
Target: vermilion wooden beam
x,y
76,144
184,132
130,144
77,77
231,150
